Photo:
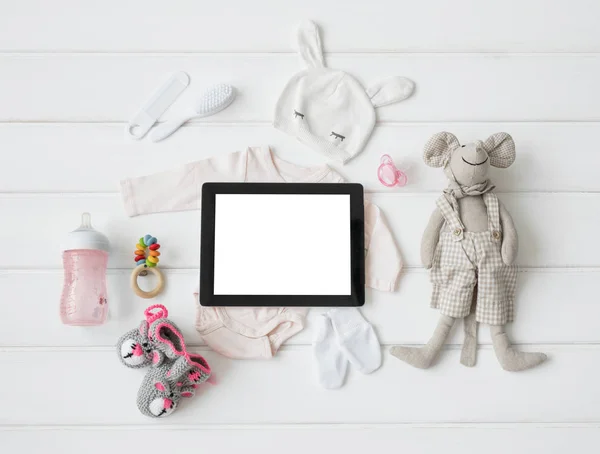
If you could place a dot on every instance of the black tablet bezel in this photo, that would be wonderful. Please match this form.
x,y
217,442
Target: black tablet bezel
x,y
357,239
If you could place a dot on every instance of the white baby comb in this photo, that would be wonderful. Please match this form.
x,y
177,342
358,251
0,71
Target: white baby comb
x,y
214,100
159,102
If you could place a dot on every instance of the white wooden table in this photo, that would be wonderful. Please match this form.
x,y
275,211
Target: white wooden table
x,y
72,73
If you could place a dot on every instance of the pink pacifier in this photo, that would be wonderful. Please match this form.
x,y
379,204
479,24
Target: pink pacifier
x,y
388,174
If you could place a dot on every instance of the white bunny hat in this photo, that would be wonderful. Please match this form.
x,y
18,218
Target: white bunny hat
x,y
328,110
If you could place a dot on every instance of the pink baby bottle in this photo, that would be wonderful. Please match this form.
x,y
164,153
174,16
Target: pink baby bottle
x,y
85,257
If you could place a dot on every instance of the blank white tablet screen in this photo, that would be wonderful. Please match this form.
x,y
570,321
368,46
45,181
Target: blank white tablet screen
x,y
282,244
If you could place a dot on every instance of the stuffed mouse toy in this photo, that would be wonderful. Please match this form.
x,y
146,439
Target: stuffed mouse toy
x,y
470,246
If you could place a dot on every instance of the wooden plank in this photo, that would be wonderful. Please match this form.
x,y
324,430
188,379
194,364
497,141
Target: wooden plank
x,y
549,237
403,317
92,387
267,25
102,156
302,439
450,88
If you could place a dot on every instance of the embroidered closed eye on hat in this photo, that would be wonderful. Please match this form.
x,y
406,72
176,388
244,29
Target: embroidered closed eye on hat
x,y
327,109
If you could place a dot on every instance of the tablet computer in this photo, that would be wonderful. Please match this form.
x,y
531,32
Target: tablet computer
x,y
282,244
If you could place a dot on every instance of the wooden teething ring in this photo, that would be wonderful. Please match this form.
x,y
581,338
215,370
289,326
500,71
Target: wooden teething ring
x,y
147,263
137,271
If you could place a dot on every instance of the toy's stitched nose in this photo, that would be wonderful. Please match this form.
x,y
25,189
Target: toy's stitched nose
x,y
481,154
167,403
137,351
475,155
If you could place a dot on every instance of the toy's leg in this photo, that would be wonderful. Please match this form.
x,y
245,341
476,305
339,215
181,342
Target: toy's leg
x,y
509,358
468,355
422,357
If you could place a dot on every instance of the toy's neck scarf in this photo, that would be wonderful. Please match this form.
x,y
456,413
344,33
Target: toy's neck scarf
x,y
456,191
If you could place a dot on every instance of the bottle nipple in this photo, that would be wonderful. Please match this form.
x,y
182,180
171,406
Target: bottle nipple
x,y
86,221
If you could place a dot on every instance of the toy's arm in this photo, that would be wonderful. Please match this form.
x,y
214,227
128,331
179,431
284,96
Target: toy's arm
x,y
430,238
510,239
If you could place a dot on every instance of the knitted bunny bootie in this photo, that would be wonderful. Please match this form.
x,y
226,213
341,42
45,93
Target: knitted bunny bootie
x,y
138,349
164,386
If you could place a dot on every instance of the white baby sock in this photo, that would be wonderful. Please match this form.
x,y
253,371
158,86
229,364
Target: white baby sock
x,y
331,365
356,338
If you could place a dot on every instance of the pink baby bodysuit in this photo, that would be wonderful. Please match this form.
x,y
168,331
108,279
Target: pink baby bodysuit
x,y
255,332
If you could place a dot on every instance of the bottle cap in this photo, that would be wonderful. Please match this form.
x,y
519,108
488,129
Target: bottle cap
x,y
86,237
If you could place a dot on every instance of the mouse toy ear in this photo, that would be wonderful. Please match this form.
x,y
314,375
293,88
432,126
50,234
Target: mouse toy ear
x,y
390,90
501,149
438,149
309,44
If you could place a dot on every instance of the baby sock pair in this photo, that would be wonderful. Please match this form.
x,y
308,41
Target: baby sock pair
x,y
343,336
174,372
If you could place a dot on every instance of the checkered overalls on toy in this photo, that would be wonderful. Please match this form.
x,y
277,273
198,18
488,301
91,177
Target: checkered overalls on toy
x,y
463,260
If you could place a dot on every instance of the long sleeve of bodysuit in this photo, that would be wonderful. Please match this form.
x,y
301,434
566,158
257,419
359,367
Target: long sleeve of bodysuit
x,y
180,189
382,258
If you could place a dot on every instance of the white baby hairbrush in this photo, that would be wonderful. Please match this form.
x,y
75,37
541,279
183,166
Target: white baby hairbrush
x,y
214,100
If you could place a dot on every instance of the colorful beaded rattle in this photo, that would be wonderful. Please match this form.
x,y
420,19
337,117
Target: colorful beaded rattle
x,y
147,263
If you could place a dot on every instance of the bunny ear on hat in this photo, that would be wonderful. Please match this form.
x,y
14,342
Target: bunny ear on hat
x,y
390,90
309,44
